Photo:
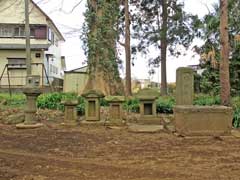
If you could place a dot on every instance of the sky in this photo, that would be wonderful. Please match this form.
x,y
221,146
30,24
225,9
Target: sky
x,y
70,22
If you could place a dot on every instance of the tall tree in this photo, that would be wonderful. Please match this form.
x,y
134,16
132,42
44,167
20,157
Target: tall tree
x,y
164,25
224,63
127,49
99,37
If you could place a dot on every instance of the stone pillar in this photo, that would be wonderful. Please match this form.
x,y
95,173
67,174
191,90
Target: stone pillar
x,y
70,112
185,86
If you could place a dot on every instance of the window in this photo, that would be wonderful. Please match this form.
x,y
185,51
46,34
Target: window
x,y
18,30
6,31
16,62
38,55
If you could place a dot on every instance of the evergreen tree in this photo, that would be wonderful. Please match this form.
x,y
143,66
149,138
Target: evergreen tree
x,y
164,25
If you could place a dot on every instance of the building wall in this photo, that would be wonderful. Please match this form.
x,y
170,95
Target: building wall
x,y
17,75
12,11
75,82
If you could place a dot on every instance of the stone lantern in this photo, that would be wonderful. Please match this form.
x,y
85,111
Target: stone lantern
x,y
92,109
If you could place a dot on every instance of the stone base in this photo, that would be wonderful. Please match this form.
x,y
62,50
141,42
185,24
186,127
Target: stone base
x,y
117,122
150,120
145,128
69,124
203,120
29,126
84,122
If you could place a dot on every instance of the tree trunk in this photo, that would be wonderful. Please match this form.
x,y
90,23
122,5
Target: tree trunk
x,y
224,64
164,48
103,68
128,50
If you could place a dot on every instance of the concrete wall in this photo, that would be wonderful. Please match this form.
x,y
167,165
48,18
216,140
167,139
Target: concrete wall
x,y
75,82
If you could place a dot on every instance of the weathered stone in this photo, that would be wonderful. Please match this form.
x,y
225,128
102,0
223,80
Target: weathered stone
x,y
29,126
185,86
147,99
203,120
92,111
115,110
31,106
235,133
145,128
70,112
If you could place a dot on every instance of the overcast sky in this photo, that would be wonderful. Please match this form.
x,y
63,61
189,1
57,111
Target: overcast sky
x,y
67,21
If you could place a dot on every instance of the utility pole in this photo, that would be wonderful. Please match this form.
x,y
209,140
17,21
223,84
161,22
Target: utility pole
x,y
27,34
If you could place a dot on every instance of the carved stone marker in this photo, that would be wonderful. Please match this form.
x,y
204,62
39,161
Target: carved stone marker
x,y
147,99
185,86
70,112
92,111
115,109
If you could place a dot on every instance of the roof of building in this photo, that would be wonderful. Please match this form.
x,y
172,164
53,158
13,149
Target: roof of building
x,y
50,20
78,70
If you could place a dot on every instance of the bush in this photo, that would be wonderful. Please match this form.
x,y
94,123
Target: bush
x,y
206,100
236,115
81,105
165,104
132,105
53,100
15,100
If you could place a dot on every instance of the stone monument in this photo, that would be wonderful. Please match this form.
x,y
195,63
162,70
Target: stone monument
x,y
185,86
92,111
115,109
70,112
147,98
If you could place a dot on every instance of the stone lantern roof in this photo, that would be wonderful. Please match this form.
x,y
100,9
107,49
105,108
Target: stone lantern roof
x,y
147,94
93,94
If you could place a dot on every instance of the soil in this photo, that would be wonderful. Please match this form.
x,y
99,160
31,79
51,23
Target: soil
x,y
91,152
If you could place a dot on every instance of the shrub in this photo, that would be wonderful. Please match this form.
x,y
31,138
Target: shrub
x,y
53,100
131,105
15,100
206,100
165,104
81,105
235,102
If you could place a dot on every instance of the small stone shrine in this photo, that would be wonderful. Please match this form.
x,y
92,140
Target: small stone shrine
x,y
147,99
70,112
92,111
115,109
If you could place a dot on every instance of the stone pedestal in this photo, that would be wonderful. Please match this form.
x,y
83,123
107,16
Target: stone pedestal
x,y
147,99
115,110
70,112
203,120
92,109
185,86
30,109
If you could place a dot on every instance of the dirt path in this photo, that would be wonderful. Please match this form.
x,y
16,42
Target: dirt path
x,y
55,153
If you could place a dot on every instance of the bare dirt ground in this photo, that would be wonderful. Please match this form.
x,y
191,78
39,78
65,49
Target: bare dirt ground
x,y
95,152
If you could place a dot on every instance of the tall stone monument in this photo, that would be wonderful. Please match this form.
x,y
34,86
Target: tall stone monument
x,y
185,86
